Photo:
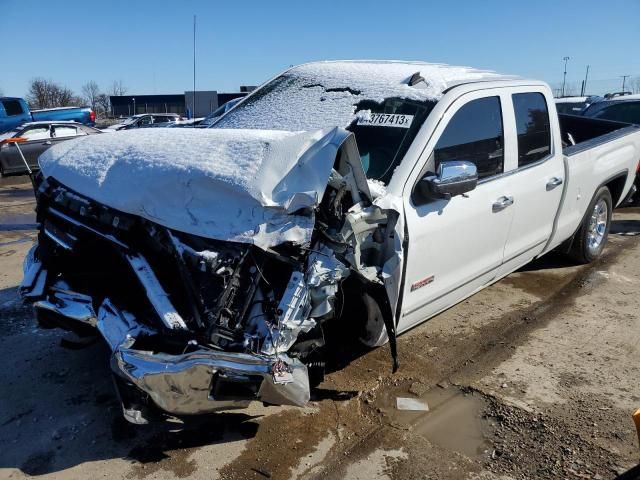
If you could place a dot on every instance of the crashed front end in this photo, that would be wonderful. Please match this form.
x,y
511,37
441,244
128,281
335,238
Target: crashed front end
x,y
197,325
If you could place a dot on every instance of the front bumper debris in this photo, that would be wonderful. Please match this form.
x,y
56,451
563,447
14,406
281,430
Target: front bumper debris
x,y
200,381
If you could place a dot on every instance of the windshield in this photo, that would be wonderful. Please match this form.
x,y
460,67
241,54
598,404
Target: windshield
x,y
130,120
384,122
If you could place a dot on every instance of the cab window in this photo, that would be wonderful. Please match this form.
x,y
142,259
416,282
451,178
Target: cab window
x,y
36,133
475,134
532,124
12,107
61,131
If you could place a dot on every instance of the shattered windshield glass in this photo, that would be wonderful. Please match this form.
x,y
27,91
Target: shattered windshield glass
x,y
385,118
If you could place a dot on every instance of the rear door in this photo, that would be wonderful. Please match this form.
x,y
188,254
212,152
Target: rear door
x,y
537,179
456,246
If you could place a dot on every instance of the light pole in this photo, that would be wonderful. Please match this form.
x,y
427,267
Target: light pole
x,y
193,112
564,79
134,105
584,83
624,79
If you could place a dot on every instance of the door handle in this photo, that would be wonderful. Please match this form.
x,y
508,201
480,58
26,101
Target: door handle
x,y
48,142
553,183
502,203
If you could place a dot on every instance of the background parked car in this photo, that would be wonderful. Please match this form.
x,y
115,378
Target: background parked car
x,y
14,111
40,136
146,120
210,119
575,105
622,109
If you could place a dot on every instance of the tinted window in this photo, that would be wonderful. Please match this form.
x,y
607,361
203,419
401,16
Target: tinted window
x,y
475,134
622,112
12,107
570,108
532,123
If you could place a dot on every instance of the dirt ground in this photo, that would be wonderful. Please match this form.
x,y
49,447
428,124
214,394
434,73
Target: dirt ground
x,y
534,377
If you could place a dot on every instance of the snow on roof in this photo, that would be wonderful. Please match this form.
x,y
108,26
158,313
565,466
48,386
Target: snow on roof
x,y
571,99
326,94
227,184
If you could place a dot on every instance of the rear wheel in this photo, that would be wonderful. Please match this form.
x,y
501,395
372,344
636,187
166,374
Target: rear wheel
x,y
594,231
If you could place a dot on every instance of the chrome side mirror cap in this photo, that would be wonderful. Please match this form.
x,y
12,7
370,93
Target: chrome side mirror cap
x,y
454,177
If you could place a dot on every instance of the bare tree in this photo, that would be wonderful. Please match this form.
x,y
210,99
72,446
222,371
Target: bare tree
x,y
1,93
635,84
103,104
90,93
48,94
118,88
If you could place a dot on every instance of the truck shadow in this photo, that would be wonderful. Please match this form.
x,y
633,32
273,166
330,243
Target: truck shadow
x,y
625,227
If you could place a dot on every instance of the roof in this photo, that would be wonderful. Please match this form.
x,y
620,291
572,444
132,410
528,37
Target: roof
x,y
435,74
328,94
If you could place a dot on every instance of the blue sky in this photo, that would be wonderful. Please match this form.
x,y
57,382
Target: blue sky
x,y
148,44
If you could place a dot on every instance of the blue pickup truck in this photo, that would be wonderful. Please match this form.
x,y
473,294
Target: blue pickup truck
x,y
15,111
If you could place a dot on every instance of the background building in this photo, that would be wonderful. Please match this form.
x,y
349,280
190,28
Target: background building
x,y
205,102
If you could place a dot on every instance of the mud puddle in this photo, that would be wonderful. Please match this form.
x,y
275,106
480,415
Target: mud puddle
x,y
454,421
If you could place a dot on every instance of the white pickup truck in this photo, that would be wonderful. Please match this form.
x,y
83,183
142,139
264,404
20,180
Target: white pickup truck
x,y
339,200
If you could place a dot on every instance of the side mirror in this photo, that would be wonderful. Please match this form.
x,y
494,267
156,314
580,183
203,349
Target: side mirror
x,y
454,178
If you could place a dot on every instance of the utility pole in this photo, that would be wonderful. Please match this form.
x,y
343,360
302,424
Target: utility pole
x,y
193,111
584,83
564,79
624,80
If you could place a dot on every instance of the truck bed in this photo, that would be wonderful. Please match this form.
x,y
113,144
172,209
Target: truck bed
x,y
589,132
605,153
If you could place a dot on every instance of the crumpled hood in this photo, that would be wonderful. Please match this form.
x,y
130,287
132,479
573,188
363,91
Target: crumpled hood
x,y
239,185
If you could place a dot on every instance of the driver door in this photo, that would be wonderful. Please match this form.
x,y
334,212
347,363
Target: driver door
x,y
456,246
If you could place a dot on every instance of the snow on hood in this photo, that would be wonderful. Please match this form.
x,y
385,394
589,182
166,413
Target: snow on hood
x,y
239,185
326,94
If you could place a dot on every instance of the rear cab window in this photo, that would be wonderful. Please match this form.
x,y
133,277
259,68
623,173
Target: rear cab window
x,y
12,107
533,127
475,134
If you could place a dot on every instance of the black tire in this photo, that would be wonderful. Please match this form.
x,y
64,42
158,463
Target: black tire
x,y
591,237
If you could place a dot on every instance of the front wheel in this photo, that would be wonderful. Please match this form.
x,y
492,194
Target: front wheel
x,y
594,231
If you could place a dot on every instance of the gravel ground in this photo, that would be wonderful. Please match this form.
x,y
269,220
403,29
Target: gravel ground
x,y
534,377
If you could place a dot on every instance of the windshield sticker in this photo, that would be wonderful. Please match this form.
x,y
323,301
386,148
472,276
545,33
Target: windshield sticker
x,y
386,120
